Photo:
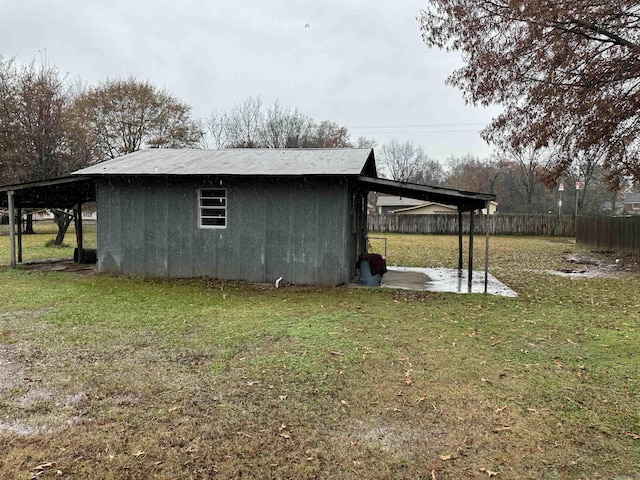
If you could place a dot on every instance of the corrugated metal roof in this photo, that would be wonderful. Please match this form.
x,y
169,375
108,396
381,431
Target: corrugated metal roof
x,y
246,161
394,201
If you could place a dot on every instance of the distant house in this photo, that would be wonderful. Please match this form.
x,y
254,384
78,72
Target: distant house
x,y
632,203
389,203
410,206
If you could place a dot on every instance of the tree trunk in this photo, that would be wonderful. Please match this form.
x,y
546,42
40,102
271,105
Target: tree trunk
x,y
63,220
29,225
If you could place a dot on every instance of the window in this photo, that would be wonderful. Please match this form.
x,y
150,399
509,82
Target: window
x,y
212,207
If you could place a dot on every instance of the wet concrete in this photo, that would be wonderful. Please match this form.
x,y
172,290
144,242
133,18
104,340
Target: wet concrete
x,y
443,280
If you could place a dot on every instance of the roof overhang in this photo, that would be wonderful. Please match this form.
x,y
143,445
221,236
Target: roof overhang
x,y
63,192
464,201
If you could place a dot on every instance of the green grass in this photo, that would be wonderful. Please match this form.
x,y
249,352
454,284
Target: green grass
x,y
113,377
39,246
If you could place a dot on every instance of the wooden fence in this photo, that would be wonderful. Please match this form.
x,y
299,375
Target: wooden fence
x,y
500,224
620,234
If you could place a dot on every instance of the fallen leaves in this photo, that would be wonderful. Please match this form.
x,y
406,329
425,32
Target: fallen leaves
x,y
500,429
283,432
489,472
537,410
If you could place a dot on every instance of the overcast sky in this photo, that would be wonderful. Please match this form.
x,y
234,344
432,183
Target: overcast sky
x,y
359,63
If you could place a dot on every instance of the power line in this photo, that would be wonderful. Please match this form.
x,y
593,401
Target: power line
x,y
383,132
425,125
427,128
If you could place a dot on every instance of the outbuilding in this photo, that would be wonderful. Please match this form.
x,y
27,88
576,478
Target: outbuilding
x,y
240,214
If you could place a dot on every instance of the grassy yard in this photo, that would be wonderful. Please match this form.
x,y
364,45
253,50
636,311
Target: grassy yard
x,y
35,246
113,377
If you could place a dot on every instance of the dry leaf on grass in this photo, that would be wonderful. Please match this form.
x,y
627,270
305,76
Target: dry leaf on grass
x,y
489,472
634,436
537,410
445,457
44,466
283,431
500,429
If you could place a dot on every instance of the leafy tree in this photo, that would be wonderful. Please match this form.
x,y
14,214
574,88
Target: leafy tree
x,y
123,116
34,136
472,174
567,72
8,121
328,134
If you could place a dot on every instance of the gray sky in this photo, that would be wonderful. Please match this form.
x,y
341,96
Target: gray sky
x,y
359,63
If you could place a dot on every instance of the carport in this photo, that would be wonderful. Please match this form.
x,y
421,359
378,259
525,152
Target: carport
x,y
59,193
463,201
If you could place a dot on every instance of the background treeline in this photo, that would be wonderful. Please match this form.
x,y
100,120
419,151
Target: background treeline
x,y
50,126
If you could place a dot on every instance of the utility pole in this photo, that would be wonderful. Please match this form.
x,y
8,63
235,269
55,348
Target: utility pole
x,y
577,192
560,190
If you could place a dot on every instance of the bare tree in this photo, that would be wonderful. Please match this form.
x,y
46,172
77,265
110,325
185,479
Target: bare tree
x,y
364,142
248,125
217,126
530,163
285,128
403,161
245,122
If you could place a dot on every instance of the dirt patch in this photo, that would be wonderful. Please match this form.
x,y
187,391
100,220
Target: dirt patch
x,y
598,264
63,265
31,407
407,440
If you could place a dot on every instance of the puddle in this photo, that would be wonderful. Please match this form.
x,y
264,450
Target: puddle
x,y
443,280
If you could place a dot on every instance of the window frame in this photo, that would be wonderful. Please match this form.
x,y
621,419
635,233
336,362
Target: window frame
x,y
202,208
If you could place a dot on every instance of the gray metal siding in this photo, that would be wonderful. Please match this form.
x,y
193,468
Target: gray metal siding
x,y
296,228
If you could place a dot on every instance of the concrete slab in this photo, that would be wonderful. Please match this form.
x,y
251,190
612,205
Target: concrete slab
x,y
443,280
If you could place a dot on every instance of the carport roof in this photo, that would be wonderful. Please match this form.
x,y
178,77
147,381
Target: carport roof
x,y
359,163
62,192
465,201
